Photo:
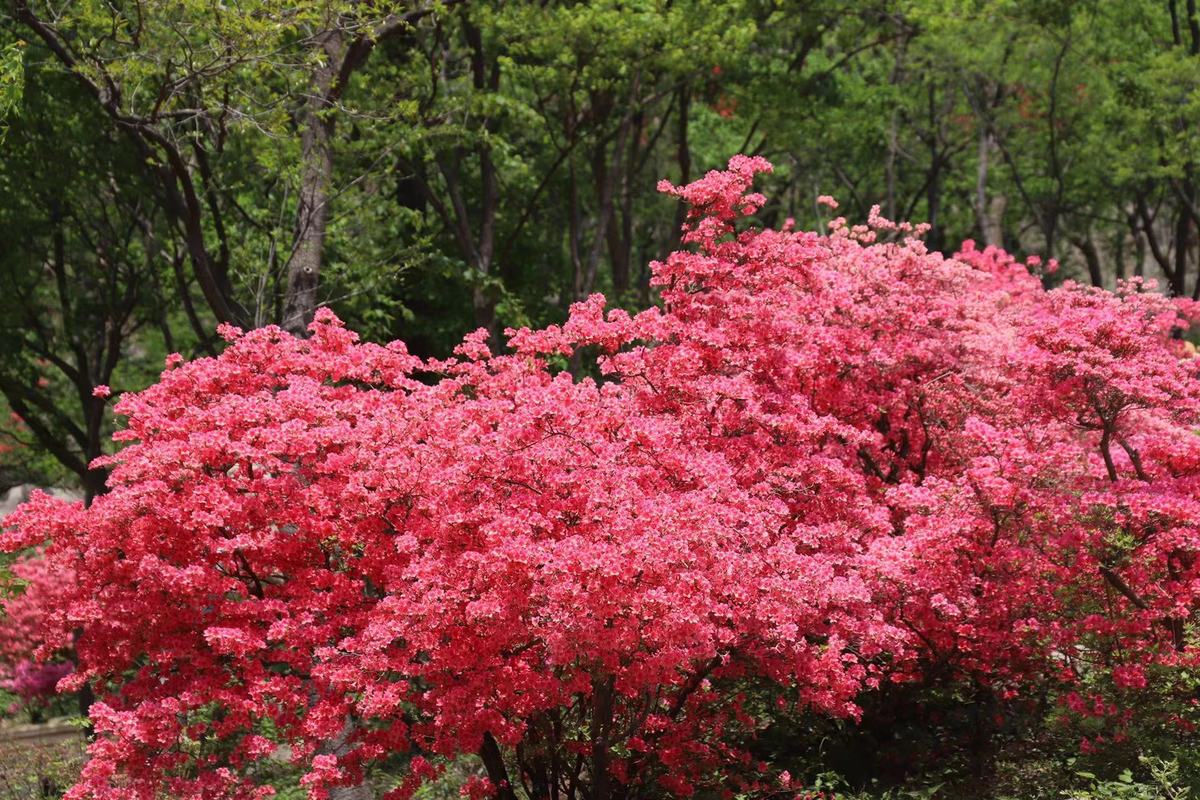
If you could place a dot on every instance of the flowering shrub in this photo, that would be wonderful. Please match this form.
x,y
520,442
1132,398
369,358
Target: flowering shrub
x,y
824,462
32,679
28,669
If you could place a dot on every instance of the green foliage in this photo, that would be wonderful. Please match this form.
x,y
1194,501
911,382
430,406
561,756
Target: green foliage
x,y
12,81
1161,780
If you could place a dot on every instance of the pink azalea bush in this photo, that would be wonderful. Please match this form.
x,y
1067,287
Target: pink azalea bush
x,y
33,680
29,668
823,462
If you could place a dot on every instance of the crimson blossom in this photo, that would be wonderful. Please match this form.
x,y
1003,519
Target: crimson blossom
x,y
822,462
25,670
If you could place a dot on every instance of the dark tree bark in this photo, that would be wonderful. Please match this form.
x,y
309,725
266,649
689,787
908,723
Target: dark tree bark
x,y
316,174
1091,257
340,745
493,762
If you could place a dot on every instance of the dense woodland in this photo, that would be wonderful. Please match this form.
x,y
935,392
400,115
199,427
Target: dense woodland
x,y
427,169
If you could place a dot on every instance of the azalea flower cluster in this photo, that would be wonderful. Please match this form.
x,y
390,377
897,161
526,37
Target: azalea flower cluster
x,y
824,461
40,585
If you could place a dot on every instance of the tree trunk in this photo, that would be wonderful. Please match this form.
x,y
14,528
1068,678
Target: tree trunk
x,y
988,214
340,746
1091,257
493,762
1182,240
601,728
620,226
683,157
316,173
893,138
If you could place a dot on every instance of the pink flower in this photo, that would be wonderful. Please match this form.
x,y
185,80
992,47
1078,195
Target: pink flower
x,y
815,464
1129,676
32,680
